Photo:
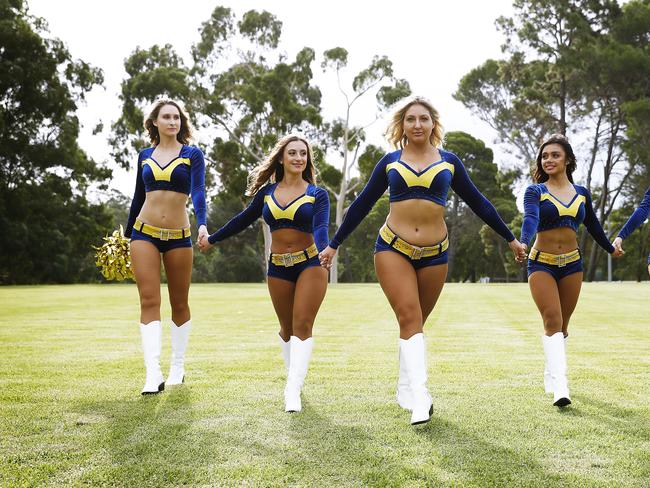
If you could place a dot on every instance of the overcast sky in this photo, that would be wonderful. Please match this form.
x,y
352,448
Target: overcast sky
x,y
431,43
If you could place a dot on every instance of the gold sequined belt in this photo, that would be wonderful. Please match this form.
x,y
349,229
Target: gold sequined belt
x,y
162,234
413,252
290,258
559,260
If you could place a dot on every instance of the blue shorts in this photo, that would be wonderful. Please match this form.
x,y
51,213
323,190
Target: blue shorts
x,y
442,258
557,272
163,246
291,273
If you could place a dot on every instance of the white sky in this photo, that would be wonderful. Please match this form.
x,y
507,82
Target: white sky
x,y
431,43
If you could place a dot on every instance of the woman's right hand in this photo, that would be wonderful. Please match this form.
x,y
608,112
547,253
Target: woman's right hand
x,y
204,244
326,257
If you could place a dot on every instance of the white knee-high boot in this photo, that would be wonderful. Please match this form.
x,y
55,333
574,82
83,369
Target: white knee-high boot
x,y
151,334
548,384
413,352
286,352
555,353
300,353
180,338
404,396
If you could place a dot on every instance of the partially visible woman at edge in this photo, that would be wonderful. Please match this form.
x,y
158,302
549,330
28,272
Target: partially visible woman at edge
x,y
554,208
168,172
636,219
411,249
284,192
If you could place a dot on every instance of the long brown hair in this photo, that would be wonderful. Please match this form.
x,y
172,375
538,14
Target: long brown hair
x,y
271,168
539,176
395,130
184,135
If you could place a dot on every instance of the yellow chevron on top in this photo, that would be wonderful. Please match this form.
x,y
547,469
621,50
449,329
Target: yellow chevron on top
x,y
562,210
425,178
164,174
290,211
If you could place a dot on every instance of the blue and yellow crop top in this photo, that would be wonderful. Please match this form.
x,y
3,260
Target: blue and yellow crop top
x,y
637,218
308,213
432,183
543,211
183,174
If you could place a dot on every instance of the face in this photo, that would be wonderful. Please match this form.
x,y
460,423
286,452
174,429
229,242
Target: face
x,y
553,159
294,158
418,124
168,121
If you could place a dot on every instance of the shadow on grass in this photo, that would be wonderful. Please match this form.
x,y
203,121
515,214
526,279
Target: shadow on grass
x,y
629,421
479,462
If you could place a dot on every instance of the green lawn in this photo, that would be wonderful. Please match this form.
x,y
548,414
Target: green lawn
x,y
71,412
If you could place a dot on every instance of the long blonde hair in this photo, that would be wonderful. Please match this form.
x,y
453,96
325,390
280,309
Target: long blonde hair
x,y
395,130
184,135
271,168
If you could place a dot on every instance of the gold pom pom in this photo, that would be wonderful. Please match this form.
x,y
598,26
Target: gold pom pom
x,y
114,258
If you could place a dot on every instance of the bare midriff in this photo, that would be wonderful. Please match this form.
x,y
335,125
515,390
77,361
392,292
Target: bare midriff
x,y
165,209
556,241
290,240
417,221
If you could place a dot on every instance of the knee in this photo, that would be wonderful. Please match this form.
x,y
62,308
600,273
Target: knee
x,y
179,307
409,317
302,326
552,320
149,301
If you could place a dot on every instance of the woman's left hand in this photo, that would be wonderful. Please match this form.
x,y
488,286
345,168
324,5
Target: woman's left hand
x,y
519,250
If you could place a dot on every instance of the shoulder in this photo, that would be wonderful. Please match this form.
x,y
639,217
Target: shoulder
x,y
390,157
316,191
449,156
535,189
192,152
581,190
146,153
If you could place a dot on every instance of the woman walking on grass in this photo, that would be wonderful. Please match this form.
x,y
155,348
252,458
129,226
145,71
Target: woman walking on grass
x,y
297,211
554,208
411,249
168,172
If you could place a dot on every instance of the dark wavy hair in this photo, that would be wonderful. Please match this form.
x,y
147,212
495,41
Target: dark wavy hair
x,y
539,175
184,135
271,168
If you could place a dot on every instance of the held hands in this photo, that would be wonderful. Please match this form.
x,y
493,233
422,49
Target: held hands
x,y
618,247
519,250
202,240
326,257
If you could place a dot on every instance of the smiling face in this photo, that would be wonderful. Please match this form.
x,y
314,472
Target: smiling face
x,y
294,157
553,159
418,124
168,121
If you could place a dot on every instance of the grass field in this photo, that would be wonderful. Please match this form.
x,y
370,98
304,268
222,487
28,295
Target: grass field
x,y
71,413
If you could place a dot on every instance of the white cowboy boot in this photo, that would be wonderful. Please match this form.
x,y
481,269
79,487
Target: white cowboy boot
x,y
548,384
413,352
554,350
151,334
404,396
300,353
180,337
286,352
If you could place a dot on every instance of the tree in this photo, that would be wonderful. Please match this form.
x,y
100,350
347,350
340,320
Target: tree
x,y
347,139
48,224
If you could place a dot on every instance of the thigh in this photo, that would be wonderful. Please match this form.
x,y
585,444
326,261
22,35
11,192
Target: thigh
x,y
178,267
145,260
431,279
545,293
399,282
309,293
569,290
281,292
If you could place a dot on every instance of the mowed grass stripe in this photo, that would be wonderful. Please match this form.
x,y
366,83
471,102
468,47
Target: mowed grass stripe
x,y
71,370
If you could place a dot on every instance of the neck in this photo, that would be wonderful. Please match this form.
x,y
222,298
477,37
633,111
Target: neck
x,y
559,180
167,142
291,179
422,147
